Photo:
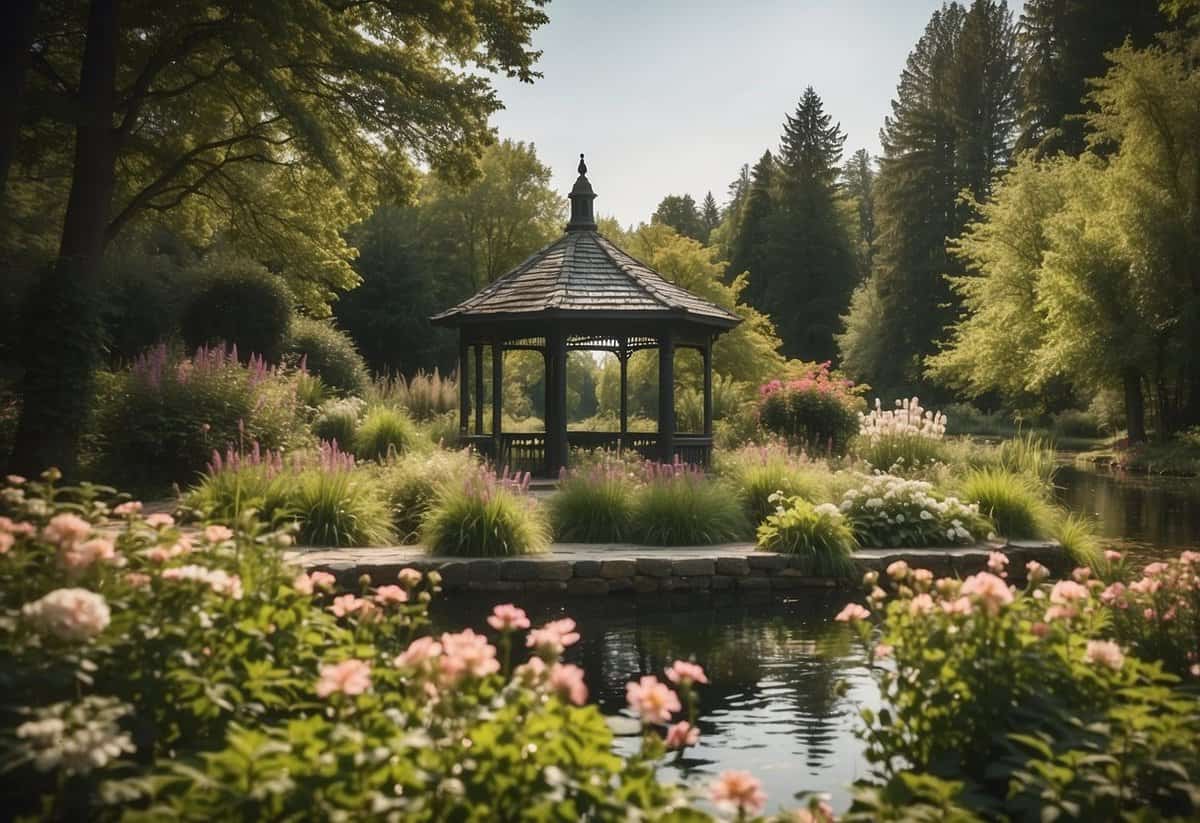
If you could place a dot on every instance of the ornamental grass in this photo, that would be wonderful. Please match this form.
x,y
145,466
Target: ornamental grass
x,y
678,506
818,535
594,504
487,515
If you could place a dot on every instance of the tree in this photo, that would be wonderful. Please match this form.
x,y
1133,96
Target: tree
x,y
710,216
949,131
246,117
680,213
1063,43
858,184
751,241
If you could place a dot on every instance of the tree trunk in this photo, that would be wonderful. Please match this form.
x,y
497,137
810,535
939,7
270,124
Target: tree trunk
x,y
1135,406
61,337
17,34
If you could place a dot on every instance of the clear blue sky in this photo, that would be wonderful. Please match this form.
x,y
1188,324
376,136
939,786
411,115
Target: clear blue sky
x,y
673,96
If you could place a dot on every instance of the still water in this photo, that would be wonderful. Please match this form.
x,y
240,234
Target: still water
x,y
787,681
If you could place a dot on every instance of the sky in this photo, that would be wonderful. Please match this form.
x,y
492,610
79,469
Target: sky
x,y
673,96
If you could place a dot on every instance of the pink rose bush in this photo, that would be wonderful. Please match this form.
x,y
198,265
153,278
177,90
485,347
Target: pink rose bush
x,y
817,410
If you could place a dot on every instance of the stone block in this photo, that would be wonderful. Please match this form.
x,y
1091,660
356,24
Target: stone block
x,y
620,584
587,568
722,582
483,569
519,569
693,583
545,586
555,570
453,572
644,584
755,582
588,586
692,566
767,562
654,566
733,566
617,568
495,586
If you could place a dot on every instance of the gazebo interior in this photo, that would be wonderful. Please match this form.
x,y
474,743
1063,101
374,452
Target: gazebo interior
x,y
581,293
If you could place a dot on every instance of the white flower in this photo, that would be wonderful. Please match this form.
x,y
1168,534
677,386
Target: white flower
x,y
77,738
827,510
68,614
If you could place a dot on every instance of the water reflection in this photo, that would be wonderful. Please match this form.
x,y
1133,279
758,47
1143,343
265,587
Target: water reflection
x,y
773,705
1150,516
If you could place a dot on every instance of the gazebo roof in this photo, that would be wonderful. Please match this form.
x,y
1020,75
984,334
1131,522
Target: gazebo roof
x,y
584,274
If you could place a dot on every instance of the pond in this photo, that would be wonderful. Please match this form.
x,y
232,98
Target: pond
x,y
787,681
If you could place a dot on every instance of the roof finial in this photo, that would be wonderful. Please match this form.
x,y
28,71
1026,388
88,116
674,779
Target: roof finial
x,y
582,217
582,165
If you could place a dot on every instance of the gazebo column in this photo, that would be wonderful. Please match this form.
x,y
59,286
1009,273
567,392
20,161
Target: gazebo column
x,y
464,389
497,393
556,402
708,387
479,388
623,356
666,396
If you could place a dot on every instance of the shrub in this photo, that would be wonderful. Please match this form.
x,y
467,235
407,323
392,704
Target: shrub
x,y
241,305
1075,423
757,472
889,511
337,421
1156,610
1013,502
425,395
442,431
339,507
412,483
383,432
1019,703
140,674
728,398
158,421
817,412
310,391
486,516
329,353
678,506
594,504
818,535
906,439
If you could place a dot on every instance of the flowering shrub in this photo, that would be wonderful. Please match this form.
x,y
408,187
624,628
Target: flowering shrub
x,y
1156,612
677,505
486,515
817,411
197,676
760,471
889,511
999,701
819,534
159,420
905,438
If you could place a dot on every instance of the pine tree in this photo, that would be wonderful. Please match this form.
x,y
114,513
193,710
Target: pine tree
x,y
751,242
858,184
1062,46
710,215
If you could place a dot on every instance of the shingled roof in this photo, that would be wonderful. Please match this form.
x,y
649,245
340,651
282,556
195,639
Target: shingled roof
x,y
584,273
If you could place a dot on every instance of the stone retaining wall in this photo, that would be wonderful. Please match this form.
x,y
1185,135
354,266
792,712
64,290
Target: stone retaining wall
x,y
591,571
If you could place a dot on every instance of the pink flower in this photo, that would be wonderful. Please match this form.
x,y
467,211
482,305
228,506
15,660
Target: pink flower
x,y
218,580
852,613
466,654
1189,557
390,596
15,480
217,534
897,570
1112,556
1147,585
160,520
322,580
1104,653
530,673
921,604
1068,591
419,652
1081,574
68,614
550,640
66,529
922,579
997,562
21,529
348,604
681,735
303,584
567,682
990,590
947,586
6,542
75,557
651,700
883,651
1154,569
507,617
1036,572
1059,612
870,578
1113,593
409,578
137,580
350,677
738,791
684,673
128,508
960,606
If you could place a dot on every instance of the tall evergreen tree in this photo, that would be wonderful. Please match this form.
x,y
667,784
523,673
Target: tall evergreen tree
x,y
950,130
710,215
1063,43
680,213
750,243
858,183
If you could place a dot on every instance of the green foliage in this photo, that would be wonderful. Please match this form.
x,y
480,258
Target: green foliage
x,y
1078,536
678,507
159,420
339,508
485,516
1015,503
816,411
818,535
329,353
681,213
383,432
239,304
594,504
1155,609
412,483
424,395
758,472
337,421
728,397
888,511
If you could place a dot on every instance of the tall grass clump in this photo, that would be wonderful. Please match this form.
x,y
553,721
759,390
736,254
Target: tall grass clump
x,y
678,506
593,504
1030,453
411,485
337,421
900,440
426,394
486,516
384,431
818,535
339,507
1078,536
239,481
1013,501
758,472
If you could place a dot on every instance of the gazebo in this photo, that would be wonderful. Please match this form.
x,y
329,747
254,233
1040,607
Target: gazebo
x,y
581,292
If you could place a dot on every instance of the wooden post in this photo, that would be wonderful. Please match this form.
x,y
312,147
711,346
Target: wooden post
x,y
497,392
666,396
464,389
479,388
708,387
623,356
556,402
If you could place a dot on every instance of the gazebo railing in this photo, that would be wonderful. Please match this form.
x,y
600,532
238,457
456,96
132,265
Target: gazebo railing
x,y
526,451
